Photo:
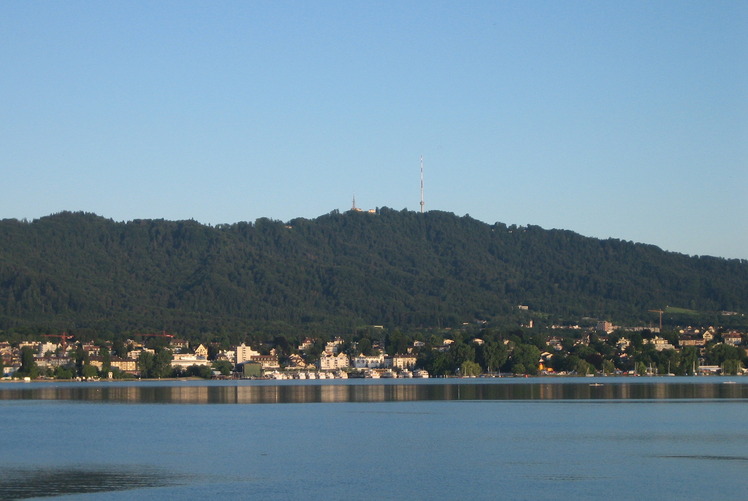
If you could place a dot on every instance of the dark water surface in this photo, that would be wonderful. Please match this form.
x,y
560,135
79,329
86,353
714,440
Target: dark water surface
x,y
661,438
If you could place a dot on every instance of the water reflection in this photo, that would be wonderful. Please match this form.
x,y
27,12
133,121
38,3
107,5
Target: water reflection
x,y
251,393
40,482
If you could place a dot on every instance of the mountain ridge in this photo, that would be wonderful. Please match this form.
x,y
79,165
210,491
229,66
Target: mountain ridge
x,y
337,271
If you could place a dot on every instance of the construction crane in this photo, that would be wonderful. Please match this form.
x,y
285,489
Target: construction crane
x,y
660,312
64,337
163,334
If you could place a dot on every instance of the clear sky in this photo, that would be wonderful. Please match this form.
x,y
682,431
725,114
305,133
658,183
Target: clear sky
x,y
607,118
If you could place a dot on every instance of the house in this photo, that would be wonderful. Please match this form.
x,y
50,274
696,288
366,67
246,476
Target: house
x,y
334,345
295,361
266,361
179,344
45,348
134,354
690,340
604,326
185,360
227,355
733,338
400,362
201,352
370,362
555,343
660,343
306,344
330,362
124,364
90,348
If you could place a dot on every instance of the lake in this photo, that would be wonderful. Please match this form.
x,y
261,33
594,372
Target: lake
x,y
570,438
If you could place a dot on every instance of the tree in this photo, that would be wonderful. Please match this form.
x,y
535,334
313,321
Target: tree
x,y
145,364
156,365
28,364
689,361
459,353
162,363
526,355
582,367
89,371
81,359
719,353
202,371
518,369
731,367
364,346
491,355
223,366
63,373
609,367
119,349
106,360
469,368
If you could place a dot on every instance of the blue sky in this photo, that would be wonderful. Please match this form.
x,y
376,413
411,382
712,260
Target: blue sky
x,y
611,119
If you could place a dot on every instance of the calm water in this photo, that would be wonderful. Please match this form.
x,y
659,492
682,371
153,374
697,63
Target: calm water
x,y
665,438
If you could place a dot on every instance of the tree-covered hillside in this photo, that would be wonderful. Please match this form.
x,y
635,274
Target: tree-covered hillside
x,y
338,271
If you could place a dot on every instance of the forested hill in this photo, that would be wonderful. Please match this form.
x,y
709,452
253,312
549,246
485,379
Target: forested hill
x,y
393,268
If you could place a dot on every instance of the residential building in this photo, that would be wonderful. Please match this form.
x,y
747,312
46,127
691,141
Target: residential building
x,y
370,362
201,352
244,353
330,362
400,362
732,338
267,361
660,343
334,345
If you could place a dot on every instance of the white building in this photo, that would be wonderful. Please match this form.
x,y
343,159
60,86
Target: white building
x,y
333,346
330,362
45,348
185,360
244,353
372,362
400,362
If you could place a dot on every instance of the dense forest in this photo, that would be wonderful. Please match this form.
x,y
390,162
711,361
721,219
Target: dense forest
x,y
338,272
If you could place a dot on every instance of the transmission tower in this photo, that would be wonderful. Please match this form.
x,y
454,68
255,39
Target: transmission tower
x,y
422,202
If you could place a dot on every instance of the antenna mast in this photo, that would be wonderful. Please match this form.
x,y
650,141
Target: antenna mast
x,y
422,202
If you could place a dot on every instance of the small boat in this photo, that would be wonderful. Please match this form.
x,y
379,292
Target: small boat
x,y
421,373
406,374
370,374
389,374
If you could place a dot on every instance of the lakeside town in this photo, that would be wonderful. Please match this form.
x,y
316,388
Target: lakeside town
x,y
603,350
